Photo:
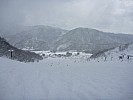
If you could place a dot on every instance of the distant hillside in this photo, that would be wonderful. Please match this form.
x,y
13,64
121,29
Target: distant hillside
x,y
51,38
91,40
33,37
17,54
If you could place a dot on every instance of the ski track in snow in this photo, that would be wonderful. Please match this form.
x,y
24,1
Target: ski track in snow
x,y
66,79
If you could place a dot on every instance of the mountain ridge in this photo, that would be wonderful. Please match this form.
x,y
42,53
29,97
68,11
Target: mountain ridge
x,y
42,37
91,40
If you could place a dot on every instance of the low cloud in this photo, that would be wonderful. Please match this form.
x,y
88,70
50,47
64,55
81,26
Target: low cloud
x,y
106,15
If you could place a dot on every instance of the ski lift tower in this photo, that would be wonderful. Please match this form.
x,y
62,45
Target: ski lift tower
x,y
11,51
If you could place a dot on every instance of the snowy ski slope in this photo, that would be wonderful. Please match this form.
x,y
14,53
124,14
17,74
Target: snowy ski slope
x,y
66,79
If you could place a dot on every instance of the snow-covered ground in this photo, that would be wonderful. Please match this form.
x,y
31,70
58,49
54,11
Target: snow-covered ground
x,y
66,79
124,51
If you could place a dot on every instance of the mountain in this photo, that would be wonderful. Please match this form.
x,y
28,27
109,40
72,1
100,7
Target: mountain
x,y
91,40
17,54
33,37
51,38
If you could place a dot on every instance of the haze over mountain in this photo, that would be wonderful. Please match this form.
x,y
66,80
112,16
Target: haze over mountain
x,y
105,15
51,38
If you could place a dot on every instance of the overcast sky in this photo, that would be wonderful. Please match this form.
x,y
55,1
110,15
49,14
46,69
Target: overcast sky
x,y
106,15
